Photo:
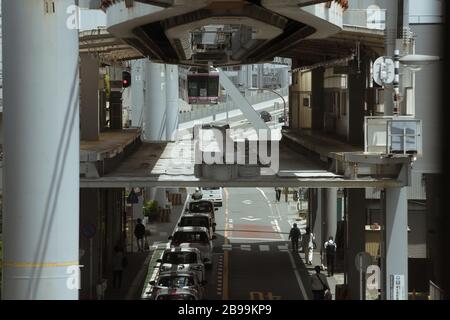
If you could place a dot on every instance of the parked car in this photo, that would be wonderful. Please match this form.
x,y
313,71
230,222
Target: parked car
x,y
266,116
194,237
182,259
198,220
176,294
177,280
214,194
202,206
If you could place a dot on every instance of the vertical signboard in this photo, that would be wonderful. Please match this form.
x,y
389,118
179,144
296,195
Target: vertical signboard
x,y
397,287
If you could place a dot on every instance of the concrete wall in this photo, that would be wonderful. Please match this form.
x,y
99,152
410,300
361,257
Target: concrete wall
x,y
89,97
301,115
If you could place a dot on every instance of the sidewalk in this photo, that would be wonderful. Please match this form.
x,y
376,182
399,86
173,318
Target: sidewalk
x,y
338,278
135,273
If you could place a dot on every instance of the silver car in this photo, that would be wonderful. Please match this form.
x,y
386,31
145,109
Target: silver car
x,y
194,237
177,280
176,294
198,220
182,259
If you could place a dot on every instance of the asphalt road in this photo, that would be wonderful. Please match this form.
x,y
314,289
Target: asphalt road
x,y
252,254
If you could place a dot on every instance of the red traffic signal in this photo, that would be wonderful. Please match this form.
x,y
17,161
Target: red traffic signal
x,y
126,79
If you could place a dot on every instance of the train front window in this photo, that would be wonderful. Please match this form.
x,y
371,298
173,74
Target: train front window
x,y
193,87
213,86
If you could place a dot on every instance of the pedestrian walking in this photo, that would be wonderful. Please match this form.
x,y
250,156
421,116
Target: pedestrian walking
x,y
139,233
294,236
118,265
330,253
319,284
278,193
308,245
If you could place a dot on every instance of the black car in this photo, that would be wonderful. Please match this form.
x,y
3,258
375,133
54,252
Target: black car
x,y
266,116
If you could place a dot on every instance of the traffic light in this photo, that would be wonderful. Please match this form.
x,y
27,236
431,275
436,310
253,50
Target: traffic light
x,y
126,79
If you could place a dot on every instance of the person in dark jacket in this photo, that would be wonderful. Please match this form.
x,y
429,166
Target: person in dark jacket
x,y
139,233
294,235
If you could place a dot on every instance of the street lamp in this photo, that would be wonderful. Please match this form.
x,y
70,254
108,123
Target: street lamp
x,y
278,94
386,70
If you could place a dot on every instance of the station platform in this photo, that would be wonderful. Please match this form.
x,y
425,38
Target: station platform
x,y
109,145
323,145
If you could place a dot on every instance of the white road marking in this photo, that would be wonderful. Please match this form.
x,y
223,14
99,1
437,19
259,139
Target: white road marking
x,y
250,218
269,203
246,247
260,239
297,276
264,247
283,247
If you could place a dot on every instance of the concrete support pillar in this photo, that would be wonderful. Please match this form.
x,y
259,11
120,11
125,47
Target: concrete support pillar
x,y
390,39
331,212
396,242
249,76
355,238
242,76
260,78
89,103
317,87
284,77
41,151
155,102
318,220
357,91
137,92
172,96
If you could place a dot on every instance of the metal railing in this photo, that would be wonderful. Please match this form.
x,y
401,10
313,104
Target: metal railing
x,y
365,18
393,134
207,111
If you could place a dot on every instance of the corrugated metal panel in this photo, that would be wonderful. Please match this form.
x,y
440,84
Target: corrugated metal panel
x,y
415,192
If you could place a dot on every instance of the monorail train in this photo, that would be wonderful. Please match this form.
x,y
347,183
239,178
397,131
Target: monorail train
x,y
202,85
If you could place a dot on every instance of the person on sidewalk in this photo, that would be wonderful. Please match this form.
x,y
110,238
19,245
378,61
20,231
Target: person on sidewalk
x,y
330,252
278,193
308,245
139,233
294,236
118,265
197,195
319,284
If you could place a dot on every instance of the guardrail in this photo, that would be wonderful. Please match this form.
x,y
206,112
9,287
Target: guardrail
x,y
393,134
206,111
365,18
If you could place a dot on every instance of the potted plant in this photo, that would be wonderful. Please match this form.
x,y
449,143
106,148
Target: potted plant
x,y
151,209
